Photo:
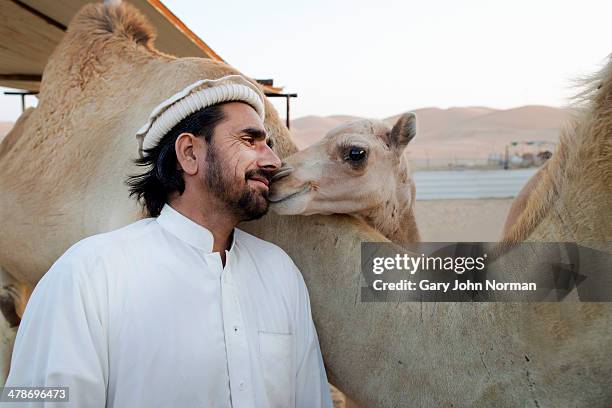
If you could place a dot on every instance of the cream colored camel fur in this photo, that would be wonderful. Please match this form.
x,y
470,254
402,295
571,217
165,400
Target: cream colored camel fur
x,y
519,205
106,54
358,168
570,196
82,136
62,180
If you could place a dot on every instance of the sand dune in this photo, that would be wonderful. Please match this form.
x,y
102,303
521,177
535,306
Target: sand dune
x,y
470,132
309,129
525,117
435,120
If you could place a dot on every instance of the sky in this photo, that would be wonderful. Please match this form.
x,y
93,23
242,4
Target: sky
x,y
379,58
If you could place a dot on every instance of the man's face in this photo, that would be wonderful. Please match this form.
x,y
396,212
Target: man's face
x,y
239,162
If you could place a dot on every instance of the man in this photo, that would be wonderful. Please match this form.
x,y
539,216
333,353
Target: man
x,y
181,310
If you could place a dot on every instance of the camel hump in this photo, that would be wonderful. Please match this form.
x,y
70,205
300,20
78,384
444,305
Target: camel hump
x,y
15,133
113,19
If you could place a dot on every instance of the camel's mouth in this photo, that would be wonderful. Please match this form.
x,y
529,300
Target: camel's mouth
x,y
283,172
275,198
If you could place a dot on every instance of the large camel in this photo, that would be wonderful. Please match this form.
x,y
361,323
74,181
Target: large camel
x,y
105,56
358,168
61,180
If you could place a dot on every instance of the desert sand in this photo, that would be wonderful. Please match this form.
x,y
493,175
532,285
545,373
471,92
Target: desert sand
x,y
480,220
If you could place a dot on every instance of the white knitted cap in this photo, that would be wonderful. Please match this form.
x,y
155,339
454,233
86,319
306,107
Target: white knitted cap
x,y
199,95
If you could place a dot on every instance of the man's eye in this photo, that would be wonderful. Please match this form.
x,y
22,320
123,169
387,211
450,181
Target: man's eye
x,y
270,143
248,140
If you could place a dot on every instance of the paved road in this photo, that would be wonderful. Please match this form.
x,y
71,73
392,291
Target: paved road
x,y
441,185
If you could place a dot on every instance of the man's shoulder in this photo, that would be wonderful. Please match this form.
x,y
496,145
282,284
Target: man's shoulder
x,y
107,244
280,270
270,256
261,247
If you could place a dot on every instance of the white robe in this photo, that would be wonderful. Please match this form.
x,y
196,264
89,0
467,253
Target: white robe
x,y
147,316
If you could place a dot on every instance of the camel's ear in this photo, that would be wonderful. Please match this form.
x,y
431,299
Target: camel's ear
x,y
403,131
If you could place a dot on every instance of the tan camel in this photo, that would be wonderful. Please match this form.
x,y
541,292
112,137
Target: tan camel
x,y
81,66
519,205
358,168
62,180
569,197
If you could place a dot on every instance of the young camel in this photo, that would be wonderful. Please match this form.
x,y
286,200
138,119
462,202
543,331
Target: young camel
x,y
359,169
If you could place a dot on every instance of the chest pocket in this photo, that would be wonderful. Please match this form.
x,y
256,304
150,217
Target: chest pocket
x,y
276,353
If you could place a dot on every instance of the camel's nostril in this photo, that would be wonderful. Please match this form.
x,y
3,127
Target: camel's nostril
x,y
282,172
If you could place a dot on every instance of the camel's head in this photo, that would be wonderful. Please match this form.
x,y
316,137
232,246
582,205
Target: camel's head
x,y
355,168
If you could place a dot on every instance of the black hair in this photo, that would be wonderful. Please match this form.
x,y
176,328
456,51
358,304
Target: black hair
x,y
164,175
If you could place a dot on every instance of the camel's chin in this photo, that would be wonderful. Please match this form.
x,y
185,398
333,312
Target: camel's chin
x,y
284,201
288,207
294,204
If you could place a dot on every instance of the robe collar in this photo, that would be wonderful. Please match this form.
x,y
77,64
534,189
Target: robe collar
x,y
187,230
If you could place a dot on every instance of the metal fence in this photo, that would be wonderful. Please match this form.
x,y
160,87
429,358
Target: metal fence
x,y
440,185
499,160
453,163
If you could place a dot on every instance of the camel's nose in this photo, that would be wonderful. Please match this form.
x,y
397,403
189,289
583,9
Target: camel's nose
x,y
284,171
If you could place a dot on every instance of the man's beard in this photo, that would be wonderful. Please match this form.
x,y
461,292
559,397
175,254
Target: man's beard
x,y
243,201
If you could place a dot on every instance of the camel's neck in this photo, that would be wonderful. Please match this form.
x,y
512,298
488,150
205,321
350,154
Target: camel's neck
x,y
407,230
395,218
571,199
580,183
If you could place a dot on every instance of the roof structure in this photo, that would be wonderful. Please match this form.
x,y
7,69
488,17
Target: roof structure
x,y
30,30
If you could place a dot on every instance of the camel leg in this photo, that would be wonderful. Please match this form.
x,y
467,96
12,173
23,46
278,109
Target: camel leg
x,y
20,293
14,296
7,339
340,399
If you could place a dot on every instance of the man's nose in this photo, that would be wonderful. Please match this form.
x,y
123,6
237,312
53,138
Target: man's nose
x,y
269,160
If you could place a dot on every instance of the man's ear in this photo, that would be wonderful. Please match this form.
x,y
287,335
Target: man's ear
x,y
403,131
187,151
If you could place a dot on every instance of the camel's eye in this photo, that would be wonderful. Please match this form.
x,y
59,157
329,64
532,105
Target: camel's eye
x,y
356,154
